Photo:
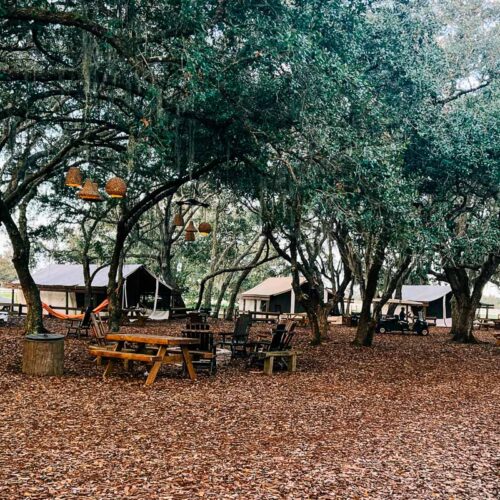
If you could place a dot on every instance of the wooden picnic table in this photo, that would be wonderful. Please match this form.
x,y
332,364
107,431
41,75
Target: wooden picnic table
x,y
153,349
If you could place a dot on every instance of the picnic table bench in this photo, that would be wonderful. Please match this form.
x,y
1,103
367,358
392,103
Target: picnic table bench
x,y
485,323
157,350
300,318
264,316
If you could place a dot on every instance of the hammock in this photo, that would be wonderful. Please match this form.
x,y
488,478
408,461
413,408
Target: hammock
x,y
59,315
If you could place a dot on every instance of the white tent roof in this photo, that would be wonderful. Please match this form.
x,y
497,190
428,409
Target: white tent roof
x,y
425,293
270,287
403,302
71,275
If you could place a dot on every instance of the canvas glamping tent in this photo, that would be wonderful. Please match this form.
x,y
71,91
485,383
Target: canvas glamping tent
x,y
437,300
272,295
62,286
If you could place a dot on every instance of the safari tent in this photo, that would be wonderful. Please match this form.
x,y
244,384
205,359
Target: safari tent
x,y
62,286
437,300
272,295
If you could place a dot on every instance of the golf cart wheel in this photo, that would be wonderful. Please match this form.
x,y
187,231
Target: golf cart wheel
x,y
382,330
424,332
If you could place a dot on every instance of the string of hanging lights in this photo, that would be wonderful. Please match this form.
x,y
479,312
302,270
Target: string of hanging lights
x,y
89,191
204,228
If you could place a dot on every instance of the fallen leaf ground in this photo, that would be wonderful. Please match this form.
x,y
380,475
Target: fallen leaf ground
x,y
410,418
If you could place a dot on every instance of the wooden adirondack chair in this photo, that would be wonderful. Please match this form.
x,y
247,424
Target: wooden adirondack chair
x,y
279,348
204,355
238,341
99,330
80,326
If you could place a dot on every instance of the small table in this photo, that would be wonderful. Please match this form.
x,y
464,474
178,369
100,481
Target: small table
x,y
135,315
160,343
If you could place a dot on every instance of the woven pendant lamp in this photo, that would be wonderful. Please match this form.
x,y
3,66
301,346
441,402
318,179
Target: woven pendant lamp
x,y
74,177
116,187
204,228
90,191
178,220
190,230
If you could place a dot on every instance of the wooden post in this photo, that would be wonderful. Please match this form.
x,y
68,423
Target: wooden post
x,y
67,301
43,355
268,365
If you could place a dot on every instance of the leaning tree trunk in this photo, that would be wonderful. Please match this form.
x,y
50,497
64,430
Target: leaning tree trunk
x,y
398,296
34,317
222,293
20,260
366,325
234,294
241,278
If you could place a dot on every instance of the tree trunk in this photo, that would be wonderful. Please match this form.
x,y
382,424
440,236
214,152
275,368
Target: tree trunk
x,y
316,309
467,301
366,325
214,260
461,329
234,294
21,259
34,317
115,311
317,314
220,297
399,296
87,280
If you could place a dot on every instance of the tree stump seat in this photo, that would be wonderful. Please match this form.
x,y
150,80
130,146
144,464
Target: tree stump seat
x,y
43,355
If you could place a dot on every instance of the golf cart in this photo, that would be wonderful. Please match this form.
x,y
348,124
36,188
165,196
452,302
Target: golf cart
x,y
394,323
4,316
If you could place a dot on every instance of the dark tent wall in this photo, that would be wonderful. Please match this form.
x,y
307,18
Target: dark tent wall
x,y
435,308
280,303
97,297
140,288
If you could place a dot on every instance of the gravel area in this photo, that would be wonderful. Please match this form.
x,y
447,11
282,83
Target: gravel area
x,y
411,418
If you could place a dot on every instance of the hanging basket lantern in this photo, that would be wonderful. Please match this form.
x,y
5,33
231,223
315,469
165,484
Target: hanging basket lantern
x,y
178,220
116,187
90,191
204,228
74,177
190,230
